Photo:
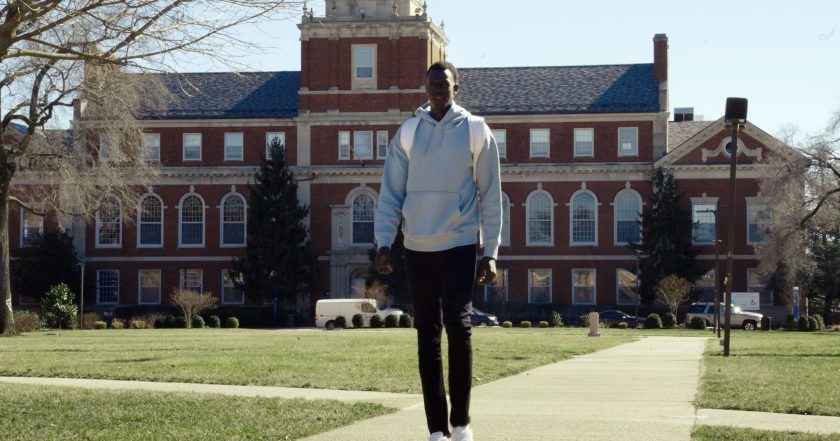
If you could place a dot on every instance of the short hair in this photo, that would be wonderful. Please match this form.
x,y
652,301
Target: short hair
x,y
443,65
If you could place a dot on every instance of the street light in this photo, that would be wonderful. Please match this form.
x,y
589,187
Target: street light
x,y
716,329
82,293
735,117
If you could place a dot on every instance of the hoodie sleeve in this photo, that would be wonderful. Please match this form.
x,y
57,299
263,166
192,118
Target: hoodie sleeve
x,y
391,193
489,183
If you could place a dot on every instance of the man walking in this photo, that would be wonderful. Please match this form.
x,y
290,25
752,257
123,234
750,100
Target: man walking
x,y
441,181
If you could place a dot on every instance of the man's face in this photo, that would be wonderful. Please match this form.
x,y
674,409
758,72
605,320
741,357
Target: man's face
x,y
441,89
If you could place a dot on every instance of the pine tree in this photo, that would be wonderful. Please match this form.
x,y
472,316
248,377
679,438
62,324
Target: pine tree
x,y
278,261
666,240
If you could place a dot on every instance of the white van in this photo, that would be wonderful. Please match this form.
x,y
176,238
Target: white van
x,y
328,309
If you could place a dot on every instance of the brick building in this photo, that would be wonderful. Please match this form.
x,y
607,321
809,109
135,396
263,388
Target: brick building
x,y
577,144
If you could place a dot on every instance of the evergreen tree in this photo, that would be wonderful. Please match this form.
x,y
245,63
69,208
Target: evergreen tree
x,y
666,240
396,281
278,261
48,261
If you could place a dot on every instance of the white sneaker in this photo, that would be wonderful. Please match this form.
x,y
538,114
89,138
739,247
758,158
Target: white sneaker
x,y
438,436
462,433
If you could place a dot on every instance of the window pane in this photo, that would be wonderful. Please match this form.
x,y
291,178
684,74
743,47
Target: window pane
x,y
151,146
151,216
107,286
343,145
584,142
270,136
109,222
628,141
233,221
583,283
539,286
627,290
363,210
381,144
33,227
364,63
193,279
583,218
539,219
230,293
704,223
233,146
192,221
501,141
627,209
150,286
497,292
192,146
539,143
759,222
364,145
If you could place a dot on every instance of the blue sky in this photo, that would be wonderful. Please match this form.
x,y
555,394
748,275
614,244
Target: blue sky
x,y
783,56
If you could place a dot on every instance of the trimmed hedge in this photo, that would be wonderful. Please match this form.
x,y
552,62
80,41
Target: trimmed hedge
x,y
231,323
358,321
406,321
653,321
375,321
341,322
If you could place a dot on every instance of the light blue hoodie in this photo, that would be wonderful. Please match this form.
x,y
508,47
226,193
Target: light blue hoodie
x,y
434,190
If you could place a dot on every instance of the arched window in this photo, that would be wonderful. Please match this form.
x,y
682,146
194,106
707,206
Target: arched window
x,y
192,221
150,229
363,209
583,218
628,207
540,218
109,223
233,220
505,220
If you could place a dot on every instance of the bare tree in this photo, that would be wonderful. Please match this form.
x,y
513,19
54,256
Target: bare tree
x,y
673,291
91,56
191,302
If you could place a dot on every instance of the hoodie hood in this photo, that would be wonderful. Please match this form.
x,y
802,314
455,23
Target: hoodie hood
x,y
454,117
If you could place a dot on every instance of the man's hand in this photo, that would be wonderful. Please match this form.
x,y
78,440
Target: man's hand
x,y
486,271
383,261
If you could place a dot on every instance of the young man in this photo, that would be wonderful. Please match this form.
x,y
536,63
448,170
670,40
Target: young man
x,y
442,182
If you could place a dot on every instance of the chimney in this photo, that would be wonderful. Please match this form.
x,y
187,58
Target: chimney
x,y
660,57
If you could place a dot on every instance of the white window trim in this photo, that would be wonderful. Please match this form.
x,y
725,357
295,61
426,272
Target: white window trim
x,y
23,212
352,198
615,214
98,225
221,208
145,156
271,135
507,286
98,299
575,153
531,143
387,139
241,147
528,223
751,202
363,83
140,287
372,144
203,221
571,220
139,222
636,143
183,277
618,286
502,155
223,302
184,147
349,146
550,286
705,201
594,286
505,213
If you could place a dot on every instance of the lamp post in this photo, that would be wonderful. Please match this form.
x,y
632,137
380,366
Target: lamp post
x,y
735,117
81,293
716,329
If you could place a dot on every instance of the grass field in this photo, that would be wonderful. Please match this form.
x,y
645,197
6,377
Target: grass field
x,y
709,433
785,372
34,413
369,360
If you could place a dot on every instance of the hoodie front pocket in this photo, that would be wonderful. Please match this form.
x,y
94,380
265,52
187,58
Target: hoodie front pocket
x,y
430,213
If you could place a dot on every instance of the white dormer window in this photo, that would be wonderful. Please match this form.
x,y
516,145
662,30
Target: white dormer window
x,y
364,66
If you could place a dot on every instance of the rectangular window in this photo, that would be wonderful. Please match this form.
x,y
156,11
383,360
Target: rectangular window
x,y
105,153
382,144
539,286
628,141
583,286
627,290
230,293
192,279
343,145
192,147
234,146
704,287
501,141
584,142
539,143
505,221
149,287
151,146
703,216
107,286
271,136
759,222
363,145
364,66
757,283
32,227
497,292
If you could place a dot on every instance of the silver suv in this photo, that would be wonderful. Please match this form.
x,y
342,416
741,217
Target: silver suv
x,y
746,320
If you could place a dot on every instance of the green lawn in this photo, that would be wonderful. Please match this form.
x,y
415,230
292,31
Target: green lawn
x,y
43,414
709,433
784,372
374,360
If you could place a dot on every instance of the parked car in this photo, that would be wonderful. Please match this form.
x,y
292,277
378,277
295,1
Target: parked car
x,y
613,317
479,318
739,318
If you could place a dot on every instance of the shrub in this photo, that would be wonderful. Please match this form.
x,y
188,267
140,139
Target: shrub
x,y
59,307
340,322
406,321
622,325
192,303
232,322
26,321
543,324
820,322
160,322
214,321
697,323
89,318
803,323
391,321
179,322
117,324
557,319
507,324
653,321
813,324
525,324
375,321
99,324
790,323
169,321
669,320
137,323
198,322
358,321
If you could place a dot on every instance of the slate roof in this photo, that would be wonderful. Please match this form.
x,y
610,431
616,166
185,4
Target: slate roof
x,y
680,132
560,89
22,129
485,91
